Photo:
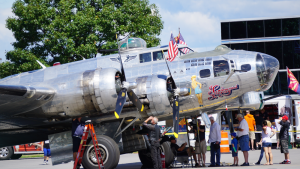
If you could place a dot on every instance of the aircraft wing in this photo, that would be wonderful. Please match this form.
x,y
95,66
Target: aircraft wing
x,y
15,99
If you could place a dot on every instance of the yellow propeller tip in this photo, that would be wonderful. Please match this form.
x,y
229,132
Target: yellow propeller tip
x,y
142,109
117,116
175,135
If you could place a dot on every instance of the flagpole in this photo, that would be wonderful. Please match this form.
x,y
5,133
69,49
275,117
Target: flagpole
x,y
287,79
166,59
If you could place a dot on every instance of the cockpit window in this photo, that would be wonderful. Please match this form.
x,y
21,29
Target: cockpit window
x,y
145,57
123,46
134,43
158,56
221,68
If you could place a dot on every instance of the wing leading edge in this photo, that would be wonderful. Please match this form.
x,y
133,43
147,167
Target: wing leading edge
x,y
20,99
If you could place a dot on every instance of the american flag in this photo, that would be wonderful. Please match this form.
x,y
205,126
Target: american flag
x,y
181,41
173,49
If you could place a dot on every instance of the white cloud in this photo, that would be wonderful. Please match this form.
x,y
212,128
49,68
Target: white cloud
x,y
235,9
4,32
199,20
196,27
6,36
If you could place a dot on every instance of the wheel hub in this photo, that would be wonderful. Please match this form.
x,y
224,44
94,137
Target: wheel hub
x,y
3,152
92,155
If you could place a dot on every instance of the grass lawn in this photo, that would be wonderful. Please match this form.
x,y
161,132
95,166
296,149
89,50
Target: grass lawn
x,y
32,156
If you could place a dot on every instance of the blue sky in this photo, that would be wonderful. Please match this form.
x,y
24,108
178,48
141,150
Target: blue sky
x,y
199,20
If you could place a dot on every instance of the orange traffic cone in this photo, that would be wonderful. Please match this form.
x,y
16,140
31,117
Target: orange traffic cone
x,y
224,146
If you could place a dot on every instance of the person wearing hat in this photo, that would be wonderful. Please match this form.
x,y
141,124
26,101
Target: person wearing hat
x,y
284,137
234,151
243,134
182,150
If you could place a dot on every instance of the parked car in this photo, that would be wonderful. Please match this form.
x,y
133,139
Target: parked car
x,y
15,152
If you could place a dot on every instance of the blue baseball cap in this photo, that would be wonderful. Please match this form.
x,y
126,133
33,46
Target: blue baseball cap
x,y
233,134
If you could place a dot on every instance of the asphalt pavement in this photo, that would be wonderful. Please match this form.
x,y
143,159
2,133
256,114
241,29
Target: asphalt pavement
x,y
131,161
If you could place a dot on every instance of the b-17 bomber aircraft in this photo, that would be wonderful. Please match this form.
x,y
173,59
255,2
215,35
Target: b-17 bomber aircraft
x,y
118,92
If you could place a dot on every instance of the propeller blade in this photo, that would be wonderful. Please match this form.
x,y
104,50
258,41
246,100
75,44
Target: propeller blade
x,y
135,100
123,78
120,102
176,116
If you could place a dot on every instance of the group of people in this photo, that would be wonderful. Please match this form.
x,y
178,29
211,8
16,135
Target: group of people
x,y
245,132
240,139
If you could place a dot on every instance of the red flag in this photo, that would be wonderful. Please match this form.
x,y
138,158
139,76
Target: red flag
x,y
173,49
292,81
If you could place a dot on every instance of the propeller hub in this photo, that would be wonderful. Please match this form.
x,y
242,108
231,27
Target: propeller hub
x,y
182,91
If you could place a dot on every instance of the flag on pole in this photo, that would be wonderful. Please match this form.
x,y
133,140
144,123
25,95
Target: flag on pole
x,y
181,41
173,49
293,83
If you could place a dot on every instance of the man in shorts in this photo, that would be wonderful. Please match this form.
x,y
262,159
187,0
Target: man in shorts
x,y
182,150
243,134
252,127
77,132
200,144
46,149
284,137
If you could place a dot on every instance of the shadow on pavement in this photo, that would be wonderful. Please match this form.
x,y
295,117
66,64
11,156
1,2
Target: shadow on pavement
x,y
136,165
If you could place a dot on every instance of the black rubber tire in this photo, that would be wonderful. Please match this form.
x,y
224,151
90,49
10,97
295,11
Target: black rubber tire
x,y
145,158
9,151
169,156
145,155
16,156
109,147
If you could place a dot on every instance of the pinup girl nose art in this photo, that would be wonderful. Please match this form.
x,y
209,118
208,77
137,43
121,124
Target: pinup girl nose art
x,y
197,87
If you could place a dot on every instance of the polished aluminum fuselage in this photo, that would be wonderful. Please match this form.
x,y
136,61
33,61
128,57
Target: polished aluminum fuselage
x,y
88,87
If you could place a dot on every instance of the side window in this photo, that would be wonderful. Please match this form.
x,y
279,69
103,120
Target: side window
x,y
158,56
145,57
204,73
221,68
246,67
232,63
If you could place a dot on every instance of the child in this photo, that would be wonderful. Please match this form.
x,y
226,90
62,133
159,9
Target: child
x,y
234,143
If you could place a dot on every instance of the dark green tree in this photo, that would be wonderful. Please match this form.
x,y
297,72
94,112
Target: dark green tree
x,y
67,30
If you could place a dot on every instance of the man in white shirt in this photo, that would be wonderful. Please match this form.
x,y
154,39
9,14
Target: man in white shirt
x,y
214,140
243,135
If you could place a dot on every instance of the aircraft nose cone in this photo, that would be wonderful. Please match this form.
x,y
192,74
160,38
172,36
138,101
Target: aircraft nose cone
x,y
267,67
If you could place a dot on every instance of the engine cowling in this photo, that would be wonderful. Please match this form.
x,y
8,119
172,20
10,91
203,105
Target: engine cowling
x,y
155,89
100,89
87,93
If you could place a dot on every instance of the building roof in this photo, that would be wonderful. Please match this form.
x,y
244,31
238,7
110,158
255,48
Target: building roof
x,y
262,18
